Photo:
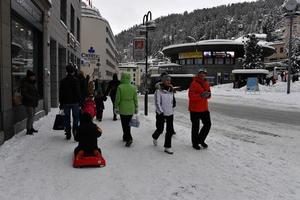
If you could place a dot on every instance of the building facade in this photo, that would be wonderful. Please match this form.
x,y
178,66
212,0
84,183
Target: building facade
x,y
64,41
133,70
37,35
98,45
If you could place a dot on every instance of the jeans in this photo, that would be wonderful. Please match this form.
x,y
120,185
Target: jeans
x,y
30,113
75,114
199,137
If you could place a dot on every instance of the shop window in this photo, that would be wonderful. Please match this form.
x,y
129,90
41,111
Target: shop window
x,y
219,61
189,61
226,76
63,11
198,61
182,62
208,61
25,54
72,20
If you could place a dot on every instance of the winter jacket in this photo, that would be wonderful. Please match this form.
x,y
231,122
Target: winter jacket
x,y
197,101
164,100
112,88
69,90
30,95
82,85
126,98
87,134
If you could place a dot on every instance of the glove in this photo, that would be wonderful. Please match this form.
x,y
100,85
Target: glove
x,y
116,111
205,94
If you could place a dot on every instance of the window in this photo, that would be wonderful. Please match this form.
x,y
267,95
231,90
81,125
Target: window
x,y
133,75
189,61
72,20
63,11
281,49
198,61
78,30
134,70
219,61
182,62
26,45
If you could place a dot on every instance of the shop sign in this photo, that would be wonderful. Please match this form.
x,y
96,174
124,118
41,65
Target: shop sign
x,y
186,55
91,56
139,48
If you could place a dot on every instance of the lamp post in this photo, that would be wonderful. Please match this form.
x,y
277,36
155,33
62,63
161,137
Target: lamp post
x,y
291,7
148,25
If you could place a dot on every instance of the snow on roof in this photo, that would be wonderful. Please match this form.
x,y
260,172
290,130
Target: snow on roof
x,y
250,71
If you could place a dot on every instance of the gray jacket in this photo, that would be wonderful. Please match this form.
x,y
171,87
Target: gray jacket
x,y
164,102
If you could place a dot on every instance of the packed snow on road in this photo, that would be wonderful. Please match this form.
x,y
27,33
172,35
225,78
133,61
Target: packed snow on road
x,y
246,159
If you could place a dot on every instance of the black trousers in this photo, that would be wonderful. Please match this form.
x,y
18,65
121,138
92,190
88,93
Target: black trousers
x,y
160,121
113,99
199,137
125,119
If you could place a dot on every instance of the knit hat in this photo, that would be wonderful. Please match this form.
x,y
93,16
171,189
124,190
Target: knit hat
x,y
165,77
202,70
29,73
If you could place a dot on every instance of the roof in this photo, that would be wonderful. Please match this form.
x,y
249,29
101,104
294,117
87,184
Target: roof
x,y
214,45
250,71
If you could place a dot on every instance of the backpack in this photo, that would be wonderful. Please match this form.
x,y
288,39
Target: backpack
x,y
89,107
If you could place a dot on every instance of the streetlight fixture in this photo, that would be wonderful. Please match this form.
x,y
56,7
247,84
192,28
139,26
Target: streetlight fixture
x,y
291,8
148,25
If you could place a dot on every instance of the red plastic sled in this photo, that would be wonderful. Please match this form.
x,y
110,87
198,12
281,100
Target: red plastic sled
x,y
82,160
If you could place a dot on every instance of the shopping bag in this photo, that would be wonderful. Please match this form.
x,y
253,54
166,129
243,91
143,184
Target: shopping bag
x,y
134,122
59,122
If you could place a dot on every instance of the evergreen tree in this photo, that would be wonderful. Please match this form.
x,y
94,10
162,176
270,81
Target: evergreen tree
x,y
253,53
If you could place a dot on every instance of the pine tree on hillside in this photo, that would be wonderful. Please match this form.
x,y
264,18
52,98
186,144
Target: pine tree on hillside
x,y
253,53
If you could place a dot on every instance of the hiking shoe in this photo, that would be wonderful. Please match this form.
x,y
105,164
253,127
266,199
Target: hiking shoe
x,y
154,142
204,145
197,147
68,135
128,143
169,151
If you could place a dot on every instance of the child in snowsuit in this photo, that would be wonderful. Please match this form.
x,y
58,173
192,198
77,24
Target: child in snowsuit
x,y
87,135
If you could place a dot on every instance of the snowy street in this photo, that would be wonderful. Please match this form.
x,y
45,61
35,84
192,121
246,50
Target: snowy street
x,y
246,159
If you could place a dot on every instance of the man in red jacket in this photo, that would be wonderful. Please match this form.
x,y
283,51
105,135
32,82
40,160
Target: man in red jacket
x,y
199,93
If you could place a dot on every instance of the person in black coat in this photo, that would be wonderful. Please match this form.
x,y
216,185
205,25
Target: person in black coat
x,y
30,98
87,135
69,98
112,91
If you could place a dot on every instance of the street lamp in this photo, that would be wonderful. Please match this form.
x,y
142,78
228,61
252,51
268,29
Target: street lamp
x,y
291,7
148,25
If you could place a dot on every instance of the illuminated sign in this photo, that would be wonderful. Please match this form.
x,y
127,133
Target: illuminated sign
x,y
196,54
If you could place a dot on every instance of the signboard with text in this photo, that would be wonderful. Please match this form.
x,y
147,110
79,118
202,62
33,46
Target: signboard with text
x,y
187,55
139,48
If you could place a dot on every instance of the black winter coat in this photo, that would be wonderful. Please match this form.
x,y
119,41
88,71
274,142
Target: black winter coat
x,y
69,90
87,135
30,95
112,88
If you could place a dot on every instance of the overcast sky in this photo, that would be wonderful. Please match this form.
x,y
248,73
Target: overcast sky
x,y
123,14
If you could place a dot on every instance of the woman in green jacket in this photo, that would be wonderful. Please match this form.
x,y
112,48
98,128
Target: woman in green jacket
x,y
126,104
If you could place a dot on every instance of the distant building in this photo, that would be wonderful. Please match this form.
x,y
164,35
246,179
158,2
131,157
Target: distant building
x,y
134,71
280,53
98,46
218,56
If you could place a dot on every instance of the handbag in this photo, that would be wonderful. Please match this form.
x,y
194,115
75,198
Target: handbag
x,y
134,122
59,122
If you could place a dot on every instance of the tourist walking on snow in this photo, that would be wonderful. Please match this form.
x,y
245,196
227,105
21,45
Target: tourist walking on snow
x,y
30,98
112,90
164,105
69,98
199,93
126,104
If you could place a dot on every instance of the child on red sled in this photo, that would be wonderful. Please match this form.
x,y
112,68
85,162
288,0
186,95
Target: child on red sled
x,y
88,132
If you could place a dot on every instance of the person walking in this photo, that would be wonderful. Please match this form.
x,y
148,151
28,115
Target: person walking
x,y
112,90
69,98
126,104
199,93
30,98
164,105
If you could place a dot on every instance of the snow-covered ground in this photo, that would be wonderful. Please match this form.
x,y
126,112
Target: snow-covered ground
x,y
246,160
274,96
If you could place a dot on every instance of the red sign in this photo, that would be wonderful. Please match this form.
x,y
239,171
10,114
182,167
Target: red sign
x,y
139,48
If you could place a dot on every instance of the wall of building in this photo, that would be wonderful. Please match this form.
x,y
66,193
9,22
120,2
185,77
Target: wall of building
x,y
97,46
60,49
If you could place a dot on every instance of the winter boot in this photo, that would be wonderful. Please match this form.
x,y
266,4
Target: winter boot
x,y
68,135
197,147
29,132
34,130
204,145
154,142
169,151
128,143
